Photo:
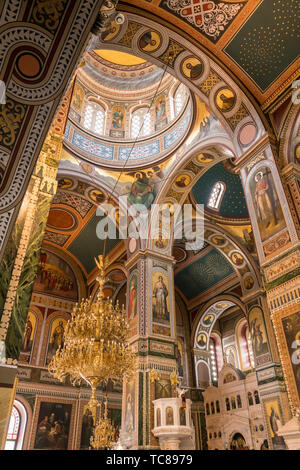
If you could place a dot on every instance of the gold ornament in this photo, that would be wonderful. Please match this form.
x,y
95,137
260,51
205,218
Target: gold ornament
x,y
95,343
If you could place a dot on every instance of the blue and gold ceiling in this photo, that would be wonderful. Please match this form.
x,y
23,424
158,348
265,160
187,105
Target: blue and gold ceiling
x,y
268,42
257,40
233,204
203,274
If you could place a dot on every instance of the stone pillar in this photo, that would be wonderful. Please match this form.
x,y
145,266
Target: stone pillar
x,y
152,324
275,223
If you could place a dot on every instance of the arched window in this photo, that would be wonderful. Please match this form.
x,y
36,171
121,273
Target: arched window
x,y
141,124
250,398
16,427
218,406
212,407
256,397
207,409
216,195
94,117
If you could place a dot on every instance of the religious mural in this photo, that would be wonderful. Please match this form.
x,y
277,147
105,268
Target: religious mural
x,y
56,337
28,338
87,428
78,97
117,122
132,302
55,277
163,389
231,356
129,419
291,328
259,336
267,206
52,432
160,298
274,419
150,41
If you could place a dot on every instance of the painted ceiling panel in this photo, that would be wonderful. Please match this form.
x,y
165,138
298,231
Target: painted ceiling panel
x,y
268,42
203,274
87,245
233,203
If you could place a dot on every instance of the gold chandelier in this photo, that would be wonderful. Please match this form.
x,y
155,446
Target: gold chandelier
x,y
95,345
104,436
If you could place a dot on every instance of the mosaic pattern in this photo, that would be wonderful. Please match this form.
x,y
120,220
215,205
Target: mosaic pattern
x,y
210,17
139,151
92,147
177,133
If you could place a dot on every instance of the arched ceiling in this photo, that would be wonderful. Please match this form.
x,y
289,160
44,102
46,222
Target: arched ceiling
x,y
72,223
256,40
233,204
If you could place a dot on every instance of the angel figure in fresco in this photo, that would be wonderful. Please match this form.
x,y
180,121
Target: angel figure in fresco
x,y
160,294
264,199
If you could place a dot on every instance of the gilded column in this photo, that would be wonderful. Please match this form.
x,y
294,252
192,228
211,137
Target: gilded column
x,y
151,313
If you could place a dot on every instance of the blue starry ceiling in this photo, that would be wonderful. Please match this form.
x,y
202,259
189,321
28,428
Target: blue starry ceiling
x,y
268,42
233,204
203,274
87,245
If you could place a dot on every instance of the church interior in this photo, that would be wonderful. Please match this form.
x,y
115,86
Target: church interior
x,y
106,105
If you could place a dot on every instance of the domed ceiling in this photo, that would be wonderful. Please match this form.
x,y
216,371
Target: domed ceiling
x,y
125,109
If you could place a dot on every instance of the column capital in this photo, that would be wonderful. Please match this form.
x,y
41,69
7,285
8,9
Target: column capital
x,y
138,255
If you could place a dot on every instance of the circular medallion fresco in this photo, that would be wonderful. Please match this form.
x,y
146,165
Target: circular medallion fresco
x,y
192,68
117,276
60,219
201,340
65,183
150,41
247,134
29,65
237,258
218,240
225,99
132,245
111,32
108,292
248,282
205,158
97,196
182,181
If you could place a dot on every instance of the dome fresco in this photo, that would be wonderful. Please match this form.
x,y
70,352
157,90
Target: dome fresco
x,y
233,203
134,112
